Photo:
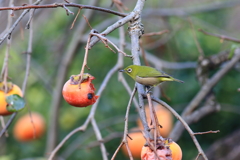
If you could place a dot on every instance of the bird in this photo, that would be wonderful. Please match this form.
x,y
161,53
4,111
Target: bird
x,y
148,76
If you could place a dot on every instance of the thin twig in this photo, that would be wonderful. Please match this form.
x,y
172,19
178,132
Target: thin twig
x,y
125,141
155,33
87,135
211,83
127,87
121,78
4,73
87,21
30,18
8,124
61,75
191,133
29,52
81,128
105,40
204,91
75,18
84,64
63,5
9,32
119,5
197,133
186,11
67,10
118,149
99,138
28,62
3,125
222,37
108,138
200,50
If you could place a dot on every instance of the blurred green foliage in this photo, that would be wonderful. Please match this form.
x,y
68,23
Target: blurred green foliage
x,y
42,79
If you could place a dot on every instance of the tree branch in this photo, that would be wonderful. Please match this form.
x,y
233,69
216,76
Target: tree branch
x,y
222,37
63,5
203,92
9,32
181,120
61,74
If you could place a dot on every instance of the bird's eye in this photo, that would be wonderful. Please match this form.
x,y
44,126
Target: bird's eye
x,y
129,70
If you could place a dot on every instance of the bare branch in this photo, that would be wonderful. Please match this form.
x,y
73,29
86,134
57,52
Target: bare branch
x,y
211,83
63,5
200,50
222,37
9,32
155,33
200,151
8,124
135,31
99,138
207,132
61,73
3,125
105,40
125,141
208,7
188,111
75,18
81,128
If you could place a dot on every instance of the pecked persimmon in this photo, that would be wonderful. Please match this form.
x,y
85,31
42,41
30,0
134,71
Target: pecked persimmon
x,y
163,152
27,129
176,150
11,90
79,94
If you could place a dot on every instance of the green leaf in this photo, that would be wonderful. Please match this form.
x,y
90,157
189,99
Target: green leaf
x,y
15,103
233,47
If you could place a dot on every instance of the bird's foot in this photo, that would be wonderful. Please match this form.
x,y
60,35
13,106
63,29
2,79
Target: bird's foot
x,y
148,89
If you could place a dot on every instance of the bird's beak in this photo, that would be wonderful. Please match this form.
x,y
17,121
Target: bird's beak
x,y
122,70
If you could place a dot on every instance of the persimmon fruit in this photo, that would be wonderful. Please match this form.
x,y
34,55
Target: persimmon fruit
x,y
135,145
163,152
166,150
79,94
11,89
27,130
176,150
165,119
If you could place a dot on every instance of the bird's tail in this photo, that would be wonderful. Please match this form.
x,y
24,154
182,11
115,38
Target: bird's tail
x,y
177,80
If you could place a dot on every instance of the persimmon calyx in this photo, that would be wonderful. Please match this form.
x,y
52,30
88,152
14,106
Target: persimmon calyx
x,y
76,79
3,86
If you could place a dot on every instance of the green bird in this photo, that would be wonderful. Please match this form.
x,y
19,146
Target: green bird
x,y
148,76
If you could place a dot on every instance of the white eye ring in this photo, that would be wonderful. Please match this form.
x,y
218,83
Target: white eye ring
x,y
129,70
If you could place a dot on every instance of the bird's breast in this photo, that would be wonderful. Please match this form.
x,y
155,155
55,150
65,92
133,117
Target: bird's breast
x,y
148,81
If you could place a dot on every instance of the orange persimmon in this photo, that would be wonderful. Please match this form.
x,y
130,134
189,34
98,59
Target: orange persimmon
x,y
176,150
135,144
165,119
79,94
12,89
164,153
27,130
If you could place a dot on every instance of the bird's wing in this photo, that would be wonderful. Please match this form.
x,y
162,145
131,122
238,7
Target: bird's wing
x,y
152,73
